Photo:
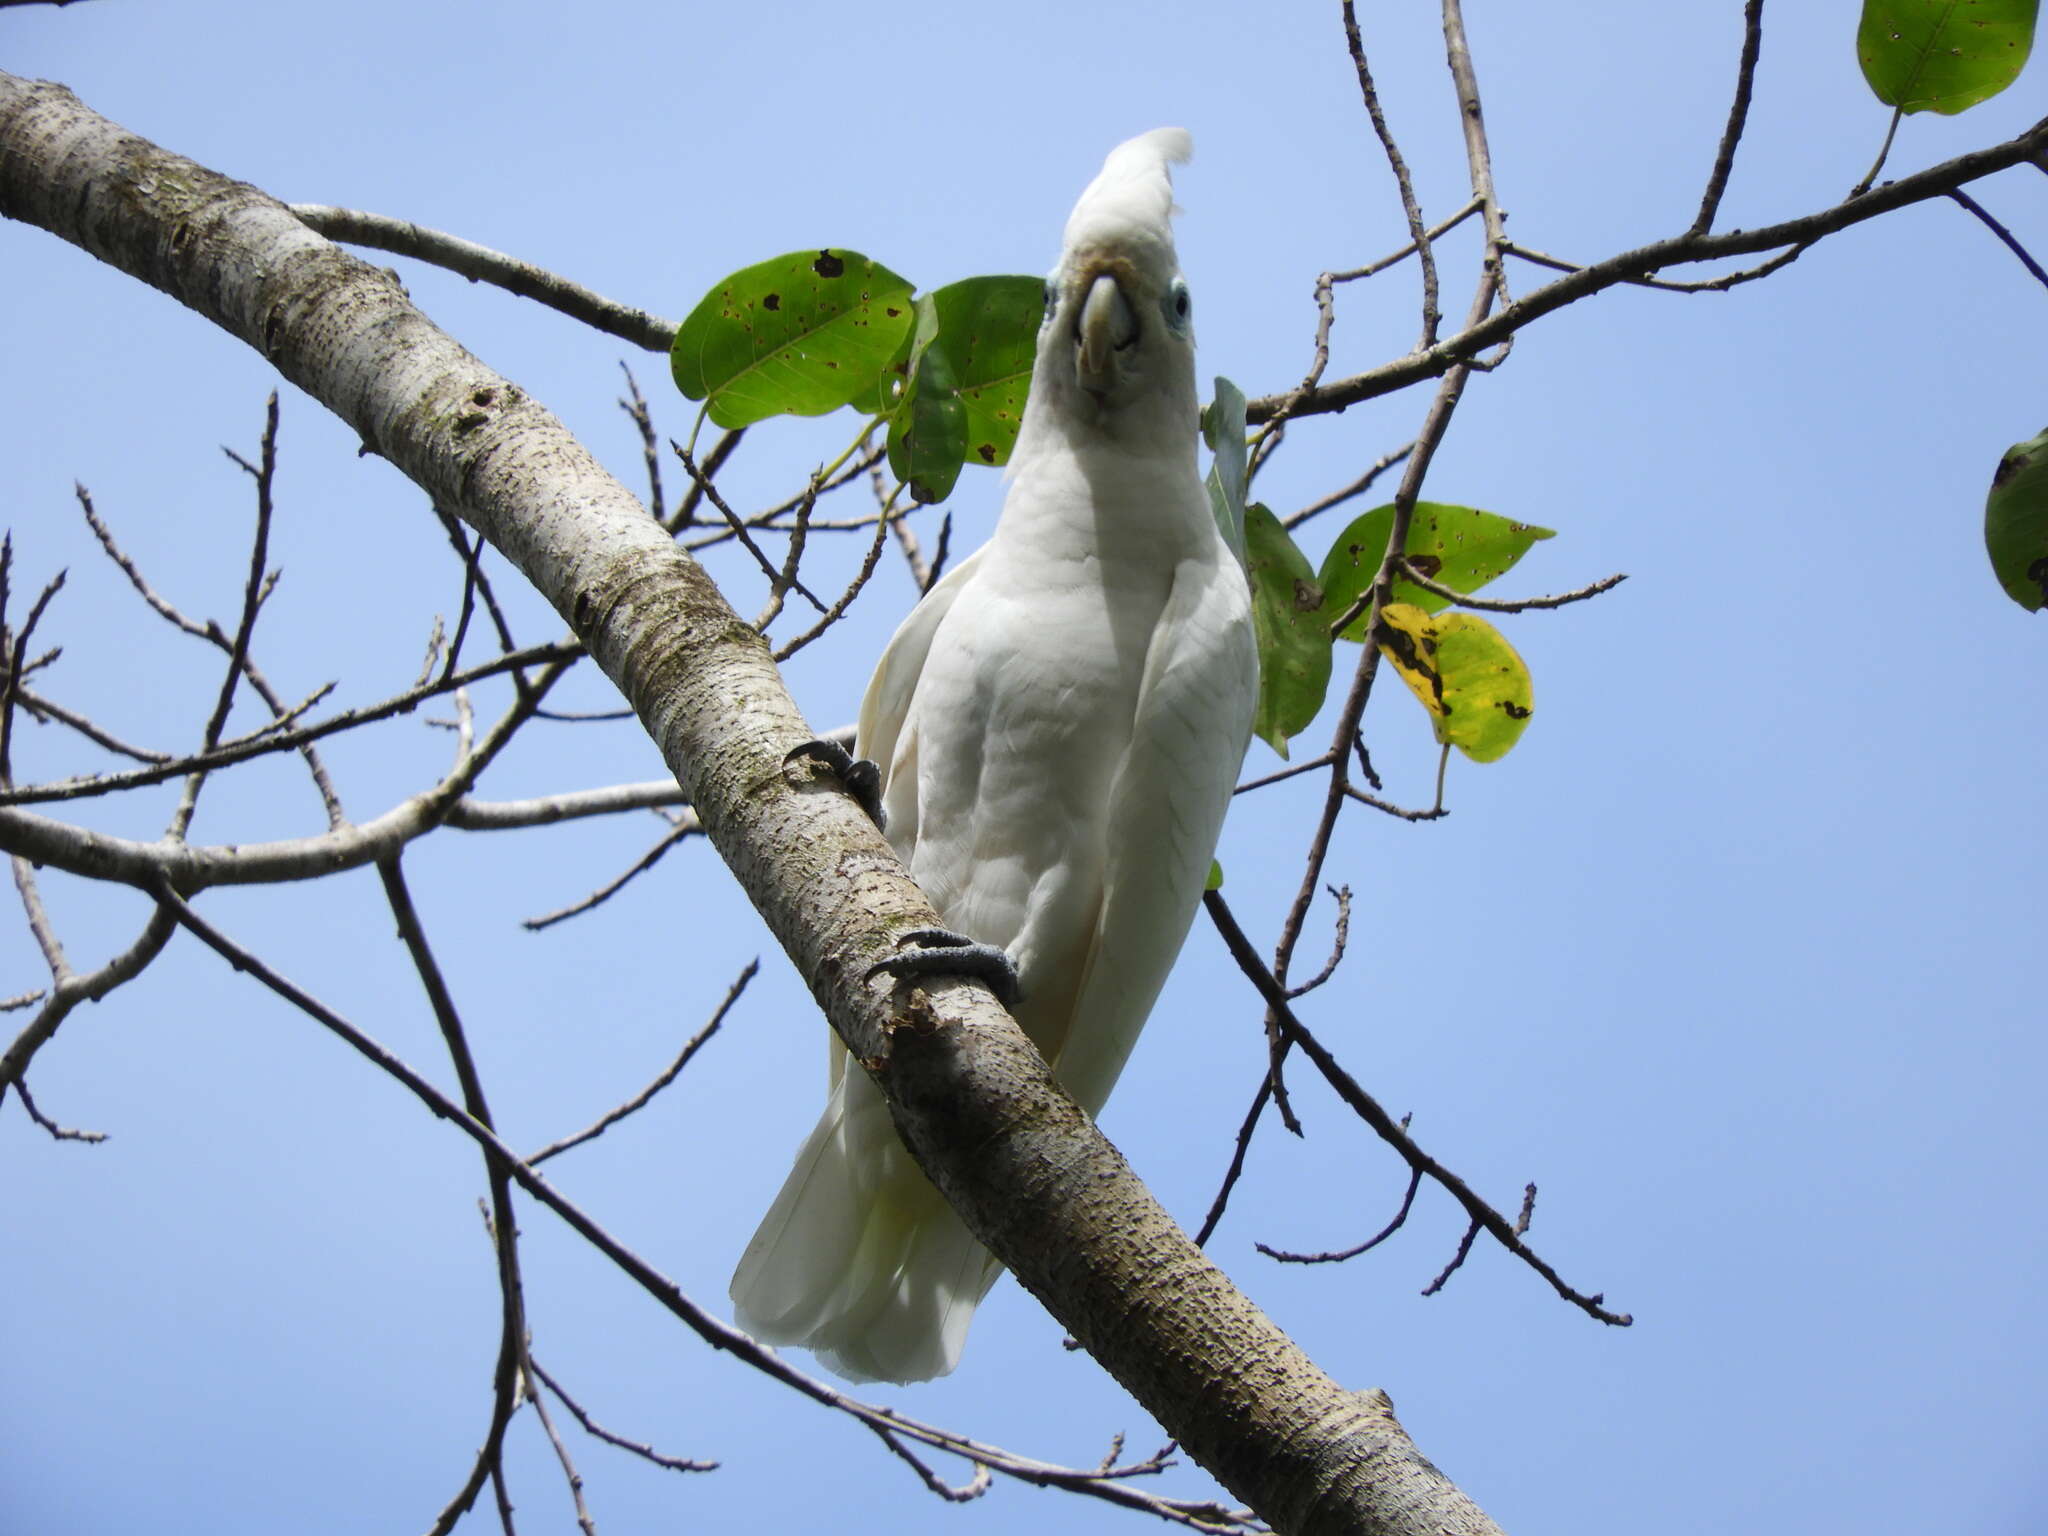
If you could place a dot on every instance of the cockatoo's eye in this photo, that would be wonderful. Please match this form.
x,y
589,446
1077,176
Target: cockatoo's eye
x,y
1178,305
1052,298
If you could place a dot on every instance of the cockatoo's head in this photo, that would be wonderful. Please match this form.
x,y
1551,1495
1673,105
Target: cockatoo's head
x,y
1118,328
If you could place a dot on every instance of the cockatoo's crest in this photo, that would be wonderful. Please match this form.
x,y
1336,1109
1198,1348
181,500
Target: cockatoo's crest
x,y
1127,209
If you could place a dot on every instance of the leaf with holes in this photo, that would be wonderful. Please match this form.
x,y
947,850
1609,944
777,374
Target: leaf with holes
x,y
798,336
1943,55
1463,671
1292,629
1462,547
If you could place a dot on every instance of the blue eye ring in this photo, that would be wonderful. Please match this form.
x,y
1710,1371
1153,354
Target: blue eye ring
x,y
1179,304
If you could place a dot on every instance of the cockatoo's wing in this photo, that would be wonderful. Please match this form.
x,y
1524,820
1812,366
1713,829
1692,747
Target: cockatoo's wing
x,y
886,704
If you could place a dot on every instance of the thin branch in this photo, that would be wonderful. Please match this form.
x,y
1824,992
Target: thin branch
x,y
1358,487
72,989
56,1132
1738,114
650,441
683,829
666,1076
1339,1257
799,536
1976,208
1340,936
975,1487
481,264
503,1222
597,1431
1418,234
1402,812
43,708
1506,605
569,1472
1458,1261
254,590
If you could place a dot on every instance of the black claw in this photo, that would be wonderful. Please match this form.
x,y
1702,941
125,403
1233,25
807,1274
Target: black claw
x,y
945,953
856,775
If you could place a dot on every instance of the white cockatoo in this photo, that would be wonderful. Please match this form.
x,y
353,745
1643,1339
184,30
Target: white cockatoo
x,y
1057,726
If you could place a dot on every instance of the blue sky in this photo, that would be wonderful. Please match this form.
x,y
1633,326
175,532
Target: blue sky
x,y
1731,956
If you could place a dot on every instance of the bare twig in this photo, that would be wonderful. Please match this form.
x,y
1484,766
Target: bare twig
x,y
569,1472
56,1132
680,831
662,1079
1409,573
1738,114
1338,939
2005,235
1457,1261
1340,1256
1418,234
799,536
650,441
597,1431
503,1221
1358,487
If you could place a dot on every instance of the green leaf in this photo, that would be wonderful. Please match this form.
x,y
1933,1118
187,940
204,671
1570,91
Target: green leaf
x,y
928,430
1461,547
1223,430
988,331
800,335
2016,523
1463,671
1943,55
1293,632
1215,877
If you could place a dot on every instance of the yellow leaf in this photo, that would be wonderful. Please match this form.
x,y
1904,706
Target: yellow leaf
x,y
1463,671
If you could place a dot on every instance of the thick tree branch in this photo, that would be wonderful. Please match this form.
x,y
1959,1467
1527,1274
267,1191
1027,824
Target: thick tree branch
x,y
973,1098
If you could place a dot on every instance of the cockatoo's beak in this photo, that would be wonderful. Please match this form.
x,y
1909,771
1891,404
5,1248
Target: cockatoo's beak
x,y
1107,327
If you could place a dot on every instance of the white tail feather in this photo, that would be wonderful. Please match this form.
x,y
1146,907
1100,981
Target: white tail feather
x,y
860,1259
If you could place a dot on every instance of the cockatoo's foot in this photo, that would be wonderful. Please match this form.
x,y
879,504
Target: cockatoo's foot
x,y
942,952
859,777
